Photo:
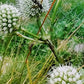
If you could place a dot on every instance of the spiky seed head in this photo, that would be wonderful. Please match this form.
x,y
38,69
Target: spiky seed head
x,y
64,75
29,8
9,17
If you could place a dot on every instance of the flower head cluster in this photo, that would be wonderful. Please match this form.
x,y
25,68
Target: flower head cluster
x,y
9,17
32,7
64,75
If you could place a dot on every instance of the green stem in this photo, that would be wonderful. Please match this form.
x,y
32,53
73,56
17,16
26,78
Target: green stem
x,y
39,24
19,34
53,18
55,10
29,73
52,47
24,30
40,40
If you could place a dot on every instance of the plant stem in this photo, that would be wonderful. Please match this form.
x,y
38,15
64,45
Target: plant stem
x,y
51,46
20,35
53,18
45,68
24,30
75,31
25,37
29,73
39,23
46,16
55,10
80,68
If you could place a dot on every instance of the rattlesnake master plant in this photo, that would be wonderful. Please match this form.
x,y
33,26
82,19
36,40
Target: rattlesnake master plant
x,y
64,75
9,17
30,8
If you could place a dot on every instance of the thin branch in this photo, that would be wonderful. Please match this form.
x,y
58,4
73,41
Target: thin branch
x,y
52,47
29,73
75,31
20,35
24,30
46,16
80,67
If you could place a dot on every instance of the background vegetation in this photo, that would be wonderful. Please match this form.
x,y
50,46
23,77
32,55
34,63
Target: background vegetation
x,y
69,16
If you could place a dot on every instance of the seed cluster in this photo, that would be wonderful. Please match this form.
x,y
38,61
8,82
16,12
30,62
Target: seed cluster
x,y
9,17
65,75
30,8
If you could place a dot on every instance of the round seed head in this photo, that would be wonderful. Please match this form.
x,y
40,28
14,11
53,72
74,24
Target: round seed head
x,y
64,75
9,17
32,8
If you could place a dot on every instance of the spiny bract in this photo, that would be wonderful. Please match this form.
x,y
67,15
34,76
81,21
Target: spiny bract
x,y
9,17
29,8
64,75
